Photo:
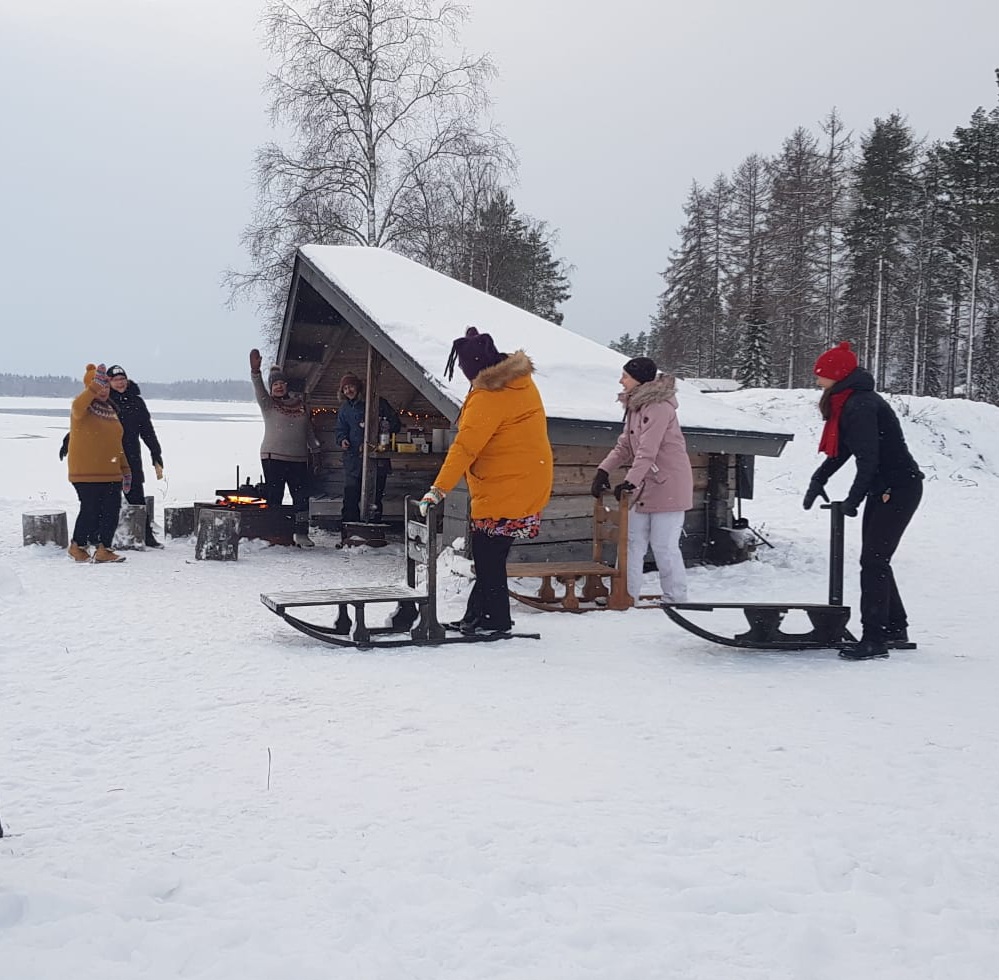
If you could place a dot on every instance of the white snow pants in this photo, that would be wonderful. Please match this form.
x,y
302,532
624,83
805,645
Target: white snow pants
x,y
662,531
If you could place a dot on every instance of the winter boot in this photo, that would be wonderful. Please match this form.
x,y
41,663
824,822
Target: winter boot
x,y
77,553
302,540
105,555
866,649
406,614
342,625
151,541
898,634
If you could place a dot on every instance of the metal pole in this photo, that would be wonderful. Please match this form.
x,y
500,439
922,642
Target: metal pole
x,y
368,376
836,522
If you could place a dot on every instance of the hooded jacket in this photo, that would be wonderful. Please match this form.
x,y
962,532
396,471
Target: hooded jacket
x,y
135,421
502,448
653,448
870,432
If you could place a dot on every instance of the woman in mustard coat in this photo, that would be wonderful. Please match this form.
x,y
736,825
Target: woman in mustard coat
x,y
502,451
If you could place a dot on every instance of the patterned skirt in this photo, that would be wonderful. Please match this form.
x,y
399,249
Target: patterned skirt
x,y
509,527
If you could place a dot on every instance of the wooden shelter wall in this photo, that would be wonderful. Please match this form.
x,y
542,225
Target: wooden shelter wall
x,y
567,524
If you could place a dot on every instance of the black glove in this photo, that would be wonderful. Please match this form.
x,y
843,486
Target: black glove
x,y
64,448
814,490
848,509
601,482
625,487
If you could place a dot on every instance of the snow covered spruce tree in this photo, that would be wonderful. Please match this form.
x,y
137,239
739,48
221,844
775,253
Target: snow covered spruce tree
x,y
970,161
372,105
795,220
753,362
877,237
687,328
508,255
747,245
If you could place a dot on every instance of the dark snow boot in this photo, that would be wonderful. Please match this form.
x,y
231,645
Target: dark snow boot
x,y
405,616
866,649
151,541
343,624
899,635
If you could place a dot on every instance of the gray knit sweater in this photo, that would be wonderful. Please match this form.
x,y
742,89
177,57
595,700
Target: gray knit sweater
x,y
288,433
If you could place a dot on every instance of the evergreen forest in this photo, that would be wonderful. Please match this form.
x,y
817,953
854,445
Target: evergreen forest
x,y
887,240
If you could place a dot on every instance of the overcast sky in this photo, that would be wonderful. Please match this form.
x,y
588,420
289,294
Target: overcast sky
x,y
129,127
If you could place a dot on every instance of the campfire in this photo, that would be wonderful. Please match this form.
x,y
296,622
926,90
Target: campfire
x,y
246,496
256,519
234,499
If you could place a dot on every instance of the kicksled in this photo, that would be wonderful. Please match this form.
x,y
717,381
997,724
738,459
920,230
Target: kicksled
x,y
414,622
829,621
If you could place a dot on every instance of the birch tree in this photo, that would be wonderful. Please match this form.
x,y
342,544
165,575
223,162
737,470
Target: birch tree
x,y
371,100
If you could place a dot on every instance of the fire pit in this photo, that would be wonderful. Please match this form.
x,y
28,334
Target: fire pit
x,y
256,519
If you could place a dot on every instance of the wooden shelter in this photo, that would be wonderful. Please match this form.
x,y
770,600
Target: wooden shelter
x,y
391,321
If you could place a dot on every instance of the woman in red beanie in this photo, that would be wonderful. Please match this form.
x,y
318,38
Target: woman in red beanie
x,y
861,424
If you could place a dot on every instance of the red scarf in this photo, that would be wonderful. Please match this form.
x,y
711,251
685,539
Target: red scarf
x,y
829,443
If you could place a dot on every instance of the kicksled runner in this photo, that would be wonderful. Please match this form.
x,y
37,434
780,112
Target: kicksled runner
x,y
828,621
415,623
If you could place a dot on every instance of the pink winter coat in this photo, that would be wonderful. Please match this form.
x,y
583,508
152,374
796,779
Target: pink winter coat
x,y
654,450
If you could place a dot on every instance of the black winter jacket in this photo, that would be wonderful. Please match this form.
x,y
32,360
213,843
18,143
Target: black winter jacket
x,y
870,432
136,422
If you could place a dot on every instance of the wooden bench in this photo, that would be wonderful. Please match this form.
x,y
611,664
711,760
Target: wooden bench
x,y
610,526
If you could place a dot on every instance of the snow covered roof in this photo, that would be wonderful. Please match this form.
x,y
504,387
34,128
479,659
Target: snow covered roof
x,y
422,311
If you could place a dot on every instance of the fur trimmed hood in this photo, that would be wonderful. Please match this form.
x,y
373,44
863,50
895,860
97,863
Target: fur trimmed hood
x,y
662,389
513,367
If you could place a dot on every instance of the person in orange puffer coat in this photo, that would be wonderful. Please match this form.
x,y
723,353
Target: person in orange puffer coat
x,y
98,468
502,451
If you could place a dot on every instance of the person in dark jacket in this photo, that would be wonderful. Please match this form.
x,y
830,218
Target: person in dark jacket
x,y
350,438
137,423
861,424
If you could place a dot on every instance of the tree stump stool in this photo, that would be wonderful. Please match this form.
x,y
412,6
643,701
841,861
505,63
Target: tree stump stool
x,y
218,535
130,535
178,522
45,527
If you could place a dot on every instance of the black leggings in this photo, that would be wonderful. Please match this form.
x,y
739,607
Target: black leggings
x,y
884,523
278,472
98,517
489,601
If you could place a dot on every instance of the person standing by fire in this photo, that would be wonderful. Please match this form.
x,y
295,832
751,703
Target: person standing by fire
x,y
98,468
288,440
138,424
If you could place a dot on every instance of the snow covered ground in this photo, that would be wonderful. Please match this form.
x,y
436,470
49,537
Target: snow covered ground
x,y
191,789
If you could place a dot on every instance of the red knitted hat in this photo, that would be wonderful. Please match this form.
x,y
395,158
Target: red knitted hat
x,y
836,363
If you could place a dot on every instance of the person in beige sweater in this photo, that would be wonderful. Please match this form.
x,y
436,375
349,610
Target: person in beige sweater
x,y
98,468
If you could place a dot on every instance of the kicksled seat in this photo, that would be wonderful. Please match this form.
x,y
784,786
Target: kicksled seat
x,y
414,623
610,527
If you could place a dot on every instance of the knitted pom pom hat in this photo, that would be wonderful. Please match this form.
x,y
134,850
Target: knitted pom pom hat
x,y
836,363
473,352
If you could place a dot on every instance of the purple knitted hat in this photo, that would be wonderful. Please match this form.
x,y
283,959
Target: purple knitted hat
x,y
473,352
